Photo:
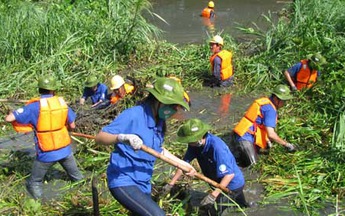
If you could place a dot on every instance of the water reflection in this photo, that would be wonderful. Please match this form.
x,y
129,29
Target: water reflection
x,y
222,110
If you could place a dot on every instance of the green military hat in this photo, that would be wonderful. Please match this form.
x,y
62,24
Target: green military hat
x,y
91,81
283,92
48,83
168,91
192,131
317,58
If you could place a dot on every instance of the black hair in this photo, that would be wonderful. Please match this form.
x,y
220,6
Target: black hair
x,y
44,91
150,99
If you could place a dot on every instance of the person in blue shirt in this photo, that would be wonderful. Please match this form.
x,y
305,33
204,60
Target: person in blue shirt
x,y
216,162
52,141
130,170
255,130
98,92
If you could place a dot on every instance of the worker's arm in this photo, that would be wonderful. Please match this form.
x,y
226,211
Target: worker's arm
x,y
104,138
10,117
82,101
224,183
172,157
289,79
273,136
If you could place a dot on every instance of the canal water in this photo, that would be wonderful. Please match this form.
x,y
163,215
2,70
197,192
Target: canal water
x,y
183,23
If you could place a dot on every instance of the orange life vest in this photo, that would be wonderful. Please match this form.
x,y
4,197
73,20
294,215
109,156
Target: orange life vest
x,y
51,131
115,98
249,119
305,78
206,12
226,68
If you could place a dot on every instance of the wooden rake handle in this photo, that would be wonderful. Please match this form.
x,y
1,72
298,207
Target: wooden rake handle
x,y
169,161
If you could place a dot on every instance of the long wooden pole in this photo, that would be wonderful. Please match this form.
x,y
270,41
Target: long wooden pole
x,y
13,100
169,161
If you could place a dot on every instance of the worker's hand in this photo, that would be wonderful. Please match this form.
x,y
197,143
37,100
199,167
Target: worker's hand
x,y
290,147
166,189
131,139
208,200
269,144
191,172
82,101
294,88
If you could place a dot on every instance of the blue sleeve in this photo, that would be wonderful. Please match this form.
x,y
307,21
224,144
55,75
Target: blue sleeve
x,y
122,123
212,14
104,92
190,155
270,116
86,93
224,161
27,114
217,67
294,69
71,116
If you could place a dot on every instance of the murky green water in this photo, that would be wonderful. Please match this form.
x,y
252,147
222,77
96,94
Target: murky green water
x,y
186,26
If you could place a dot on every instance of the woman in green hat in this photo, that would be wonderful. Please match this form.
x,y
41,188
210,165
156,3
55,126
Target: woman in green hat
x,y
129,172
216,162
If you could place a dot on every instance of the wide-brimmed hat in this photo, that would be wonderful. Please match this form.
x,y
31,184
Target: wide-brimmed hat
x,y
91,81
317,58
283,92
192,131
168,91
48,83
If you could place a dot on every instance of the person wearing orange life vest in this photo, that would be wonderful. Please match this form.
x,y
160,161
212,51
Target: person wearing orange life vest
x,y
221,63
255,130
208,12
305,73
47,116
120,89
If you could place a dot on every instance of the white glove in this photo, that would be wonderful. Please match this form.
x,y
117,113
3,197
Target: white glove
x,y
131,139
290,147
208,200
269,144
166,189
